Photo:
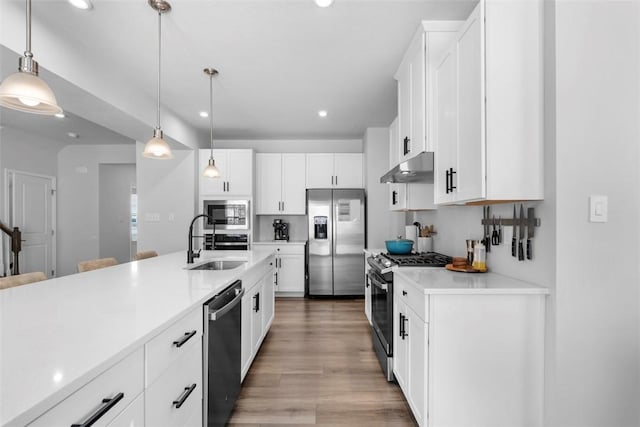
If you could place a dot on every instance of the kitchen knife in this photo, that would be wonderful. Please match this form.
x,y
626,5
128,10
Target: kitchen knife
x,y
487,237
513,239
521,231
500,230
531,223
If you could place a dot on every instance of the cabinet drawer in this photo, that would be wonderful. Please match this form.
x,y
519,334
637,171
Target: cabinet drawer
x,y
171,343
172,386
132,416
291,249
126,378
413,298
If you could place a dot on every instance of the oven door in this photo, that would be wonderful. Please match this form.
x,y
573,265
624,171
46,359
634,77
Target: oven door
x,y
382,309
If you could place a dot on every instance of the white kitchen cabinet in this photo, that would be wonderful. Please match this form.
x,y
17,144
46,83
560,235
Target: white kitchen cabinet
x,y
334,170
236,173
132,416
367,289
415,81
289,265
257,312
120,384
489,91
464,349
280,187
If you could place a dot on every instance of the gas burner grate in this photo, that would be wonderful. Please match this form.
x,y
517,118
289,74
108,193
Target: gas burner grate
x,y
425,259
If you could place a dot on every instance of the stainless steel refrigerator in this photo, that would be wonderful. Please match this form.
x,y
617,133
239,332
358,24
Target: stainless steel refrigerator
x,y
335,261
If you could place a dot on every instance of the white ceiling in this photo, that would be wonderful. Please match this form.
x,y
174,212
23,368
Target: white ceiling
x,y
280,61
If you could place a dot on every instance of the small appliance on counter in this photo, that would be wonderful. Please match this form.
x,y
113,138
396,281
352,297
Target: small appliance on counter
x,y
280,230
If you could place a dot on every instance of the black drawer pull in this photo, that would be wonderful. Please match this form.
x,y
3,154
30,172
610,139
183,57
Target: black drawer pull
x,y
106,405
187,336
404,293
187,391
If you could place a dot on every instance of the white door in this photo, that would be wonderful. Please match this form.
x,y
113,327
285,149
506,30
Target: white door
x,y
347,168
291,273
268,183
319,170
32,209
239,173
293,183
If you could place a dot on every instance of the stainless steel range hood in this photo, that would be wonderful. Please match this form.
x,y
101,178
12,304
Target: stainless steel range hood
x,y
416,169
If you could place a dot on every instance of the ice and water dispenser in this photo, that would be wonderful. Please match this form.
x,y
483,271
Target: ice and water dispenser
x,y
320,227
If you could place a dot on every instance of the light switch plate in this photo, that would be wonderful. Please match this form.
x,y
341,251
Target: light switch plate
x,y
598,208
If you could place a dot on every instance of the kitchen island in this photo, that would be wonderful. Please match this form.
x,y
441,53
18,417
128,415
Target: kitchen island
x,y
59,335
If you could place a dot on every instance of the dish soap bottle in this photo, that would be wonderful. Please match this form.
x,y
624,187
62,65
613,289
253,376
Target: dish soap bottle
x,y
479,256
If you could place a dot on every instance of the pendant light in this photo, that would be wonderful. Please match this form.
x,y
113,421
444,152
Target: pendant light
x,y
211,171
24,90
157,147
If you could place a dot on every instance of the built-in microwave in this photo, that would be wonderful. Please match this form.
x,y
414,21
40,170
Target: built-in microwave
x,y
227,214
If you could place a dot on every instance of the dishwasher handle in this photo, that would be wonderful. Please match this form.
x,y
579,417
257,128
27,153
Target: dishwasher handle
x,y
215,315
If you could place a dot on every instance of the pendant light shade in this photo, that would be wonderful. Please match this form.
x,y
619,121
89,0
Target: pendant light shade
x,y
157,147
211,171
24,90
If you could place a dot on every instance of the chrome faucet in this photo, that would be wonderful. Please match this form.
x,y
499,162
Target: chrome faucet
x,y
190,253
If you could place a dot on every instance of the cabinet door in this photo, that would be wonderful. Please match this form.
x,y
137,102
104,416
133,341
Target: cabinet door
x,y
471,152
394,144
293,183
418,94
212,186
347,169
319,173
268,183
239,172
399,344
268,302
446,125
404,109
397,197
291,273
246,347
417,362
257,304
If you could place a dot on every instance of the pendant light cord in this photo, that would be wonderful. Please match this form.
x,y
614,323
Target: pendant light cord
x,y
28,51
211,110
159,63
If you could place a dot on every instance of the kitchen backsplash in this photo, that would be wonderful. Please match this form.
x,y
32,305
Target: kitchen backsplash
x,y
264,227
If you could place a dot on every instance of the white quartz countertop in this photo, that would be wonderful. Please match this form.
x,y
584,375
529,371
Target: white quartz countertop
x,y
58,334
443,281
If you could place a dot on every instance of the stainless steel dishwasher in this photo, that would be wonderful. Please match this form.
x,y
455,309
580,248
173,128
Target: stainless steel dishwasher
x,y
221,351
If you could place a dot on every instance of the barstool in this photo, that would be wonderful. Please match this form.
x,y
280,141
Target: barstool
x,y
144,255
21,279
95,264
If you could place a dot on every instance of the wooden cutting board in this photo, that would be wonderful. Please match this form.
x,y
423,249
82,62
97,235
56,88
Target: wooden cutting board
x,y
467,269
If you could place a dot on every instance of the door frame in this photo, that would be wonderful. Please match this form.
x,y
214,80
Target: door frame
x,y
9,178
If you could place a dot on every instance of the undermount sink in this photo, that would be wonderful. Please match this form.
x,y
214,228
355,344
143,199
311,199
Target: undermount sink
x,y
219,265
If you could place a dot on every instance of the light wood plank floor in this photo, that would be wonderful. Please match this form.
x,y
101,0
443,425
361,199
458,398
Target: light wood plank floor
x,y
317,367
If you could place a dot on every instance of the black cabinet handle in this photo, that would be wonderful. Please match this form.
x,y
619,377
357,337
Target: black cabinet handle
x,y
106,405
276,283
401,326
187,391
186,337
451,173
446,174
406,148
404,293
394,197
256,302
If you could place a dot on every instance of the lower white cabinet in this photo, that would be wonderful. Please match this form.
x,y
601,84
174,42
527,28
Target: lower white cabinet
x,y
132,416
258,303
176,395
289,268
469,359
103,398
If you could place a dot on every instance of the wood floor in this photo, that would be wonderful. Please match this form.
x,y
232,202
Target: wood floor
x,y
317,367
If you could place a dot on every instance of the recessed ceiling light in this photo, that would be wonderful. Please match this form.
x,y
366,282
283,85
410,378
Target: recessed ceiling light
x,y
204,114
73,135
322,113
59,115
324,3
82,4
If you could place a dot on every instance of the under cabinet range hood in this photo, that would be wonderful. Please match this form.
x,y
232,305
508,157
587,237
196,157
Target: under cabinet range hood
x,y
416,169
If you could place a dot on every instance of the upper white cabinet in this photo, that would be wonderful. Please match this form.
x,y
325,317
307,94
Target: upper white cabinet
x,y
236,173
280,187
489,95
415,86
334,170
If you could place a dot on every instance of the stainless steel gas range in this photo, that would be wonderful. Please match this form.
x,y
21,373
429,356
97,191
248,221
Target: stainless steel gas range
x,y
380,278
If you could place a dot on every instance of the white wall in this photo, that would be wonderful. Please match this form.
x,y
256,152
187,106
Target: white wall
x,y
78,190
597,288
166,200
114,213
381,223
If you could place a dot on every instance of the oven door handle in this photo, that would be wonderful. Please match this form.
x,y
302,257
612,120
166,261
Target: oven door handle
x,y
378,284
